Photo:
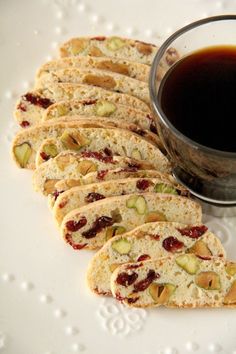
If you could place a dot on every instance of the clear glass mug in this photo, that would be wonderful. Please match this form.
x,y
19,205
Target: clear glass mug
x,y
208,173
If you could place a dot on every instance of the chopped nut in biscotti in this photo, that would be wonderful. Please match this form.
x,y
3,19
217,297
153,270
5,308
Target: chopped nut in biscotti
x,y
189,262
115,67
78,45
64,160
115,43
50,150
113,266
208,280
86,166
122,246
171,56
104,81
114,231
153,216
165,188
104,108
136,154
61,110
161,293
95,52
200,249
230,297
49,186
138,203
231,268
22,154
144,48
73,140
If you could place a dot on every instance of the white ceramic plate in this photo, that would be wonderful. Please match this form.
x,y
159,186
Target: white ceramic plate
x,y
45,306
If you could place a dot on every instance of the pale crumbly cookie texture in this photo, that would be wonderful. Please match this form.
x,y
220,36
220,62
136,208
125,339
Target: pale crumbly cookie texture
x,y
109,175
149,242
73,166
100,108
87,227
51,147
106,80
178,281
125,67
111,141
116,47
77,197
31,106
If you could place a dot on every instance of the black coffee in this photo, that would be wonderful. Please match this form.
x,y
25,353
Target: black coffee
x,y
198,95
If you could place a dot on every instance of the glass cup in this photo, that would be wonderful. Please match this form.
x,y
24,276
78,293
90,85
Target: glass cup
x,y
208,173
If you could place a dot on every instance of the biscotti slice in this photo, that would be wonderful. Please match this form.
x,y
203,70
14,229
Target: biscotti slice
x,y
87,227
129,68
31,106
176,281
103,108
73,166
116,47
53,146
108,175
79,196
146,242
112,141
106,80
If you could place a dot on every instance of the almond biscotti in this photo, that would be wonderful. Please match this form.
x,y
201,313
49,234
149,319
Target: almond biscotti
x,y
115,47
106,80
129,68
149,241
103,108
178,281
112,141
73,166
79,196
31,106
109,175
88,226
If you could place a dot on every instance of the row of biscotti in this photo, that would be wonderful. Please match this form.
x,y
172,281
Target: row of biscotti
x,y
120,69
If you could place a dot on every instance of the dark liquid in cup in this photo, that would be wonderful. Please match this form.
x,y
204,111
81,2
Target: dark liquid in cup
x,y
198,95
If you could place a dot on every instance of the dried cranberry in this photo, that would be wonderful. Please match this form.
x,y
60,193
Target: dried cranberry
x,y
152,124
56,194
132,300
144,284
98,225
194,231
126,279
119,297
24,124
99,38
88,102
101,174
143,257
172,244
142,184
22,107
108,152
98,156
74,226
44,156
37,100
62,204
134,266
92,197
77,246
